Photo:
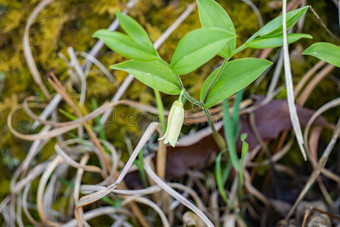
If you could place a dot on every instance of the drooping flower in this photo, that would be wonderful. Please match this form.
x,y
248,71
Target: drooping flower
x,y
175,122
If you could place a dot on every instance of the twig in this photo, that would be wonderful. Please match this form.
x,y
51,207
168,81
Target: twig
x,y
315,81
323,24
175,194
327,213
59,88
321,164
307,76
276,185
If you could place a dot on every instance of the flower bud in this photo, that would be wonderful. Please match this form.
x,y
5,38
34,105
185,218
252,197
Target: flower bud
x,y
175,122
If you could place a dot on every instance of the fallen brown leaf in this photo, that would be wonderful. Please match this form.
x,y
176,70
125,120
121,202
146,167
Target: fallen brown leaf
x,y
271,119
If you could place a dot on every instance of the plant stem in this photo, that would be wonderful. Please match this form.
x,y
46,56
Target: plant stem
x,y
160,108
140,167
186,94
214,80
217,137
229,135
236,112
219,180
243,46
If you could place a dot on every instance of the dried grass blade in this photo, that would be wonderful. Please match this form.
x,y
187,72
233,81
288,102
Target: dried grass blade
x,y
315,81
175,194
92,214
289,85
40,194
81,75
152,205
100,194
33,174
316,172
75,164
27,49
79,212
97,63
325,107
63,127
25,207
307,76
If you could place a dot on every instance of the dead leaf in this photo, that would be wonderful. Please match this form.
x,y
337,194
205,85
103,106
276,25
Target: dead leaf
x,y
271,120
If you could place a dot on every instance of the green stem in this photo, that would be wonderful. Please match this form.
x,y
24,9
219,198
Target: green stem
x,y
219,180
236,113
140,165
243,46
214,80
160,108
102,134
186,94
229,135
239,49
218,138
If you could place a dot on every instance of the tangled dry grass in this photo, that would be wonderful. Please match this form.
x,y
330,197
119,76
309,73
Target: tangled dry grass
x,y
84,178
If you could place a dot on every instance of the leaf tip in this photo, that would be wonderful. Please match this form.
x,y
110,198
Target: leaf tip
x,y
244,136
97,33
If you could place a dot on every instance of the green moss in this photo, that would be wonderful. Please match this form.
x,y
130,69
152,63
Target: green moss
x,y
71,23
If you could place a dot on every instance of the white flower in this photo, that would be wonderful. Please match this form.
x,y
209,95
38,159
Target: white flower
x,y
175,122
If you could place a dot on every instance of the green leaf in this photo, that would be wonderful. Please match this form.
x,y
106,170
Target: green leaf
x,y
325,51
135,31
229,135
219,178
275,41
243,155
124,45
236,75
274,27
244,146
198,47
212,15
155,74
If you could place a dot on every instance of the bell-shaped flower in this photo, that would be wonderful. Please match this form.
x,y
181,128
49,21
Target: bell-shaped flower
x,y
175,122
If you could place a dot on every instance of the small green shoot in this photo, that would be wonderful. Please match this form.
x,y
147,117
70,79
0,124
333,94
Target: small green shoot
x,y
140,165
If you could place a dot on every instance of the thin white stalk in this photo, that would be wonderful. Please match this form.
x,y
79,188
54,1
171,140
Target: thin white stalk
x,y
48,110
27,49
100,194
81,75
276,75
40,193
317,170
165,222
256,11
96,62
289,84
87,189
331,104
